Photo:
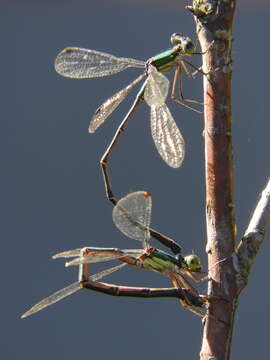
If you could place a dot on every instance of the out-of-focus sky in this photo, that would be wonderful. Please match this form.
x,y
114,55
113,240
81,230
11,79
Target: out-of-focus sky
x,y
242,4
52,192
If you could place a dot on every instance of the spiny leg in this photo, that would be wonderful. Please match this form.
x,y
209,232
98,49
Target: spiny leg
x,y
181,65
186,303
196,280
198,69
189,74
181,99
190,308
179,280
183,282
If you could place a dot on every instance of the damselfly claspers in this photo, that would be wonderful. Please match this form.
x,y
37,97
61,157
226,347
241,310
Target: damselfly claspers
x,y
132,216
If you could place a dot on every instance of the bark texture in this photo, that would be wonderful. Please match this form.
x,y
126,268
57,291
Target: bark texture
x,y
214,28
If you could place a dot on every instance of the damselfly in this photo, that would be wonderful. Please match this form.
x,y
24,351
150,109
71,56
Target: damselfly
x,y
132,216
83,63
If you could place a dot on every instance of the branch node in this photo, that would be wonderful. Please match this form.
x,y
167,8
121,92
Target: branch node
x,y
204,10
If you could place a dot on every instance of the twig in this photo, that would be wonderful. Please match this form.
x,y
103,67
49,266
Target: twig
x,y
253,237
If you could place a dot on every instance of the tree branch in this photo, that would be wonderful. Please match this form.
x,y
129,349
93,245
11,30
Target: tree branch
x,y
253,237
214,24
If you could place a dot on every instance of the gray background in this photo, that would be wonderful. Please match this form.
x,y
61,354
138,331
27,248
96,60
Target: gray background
x,y
52,191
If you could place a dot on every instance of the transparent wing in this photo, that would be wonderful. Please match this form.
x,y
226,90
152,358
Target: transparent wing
x,y
157,87
68,253
83,63
57,296
93,260
114,255
167,137
106,272
91,255
132,216
110,105
60,294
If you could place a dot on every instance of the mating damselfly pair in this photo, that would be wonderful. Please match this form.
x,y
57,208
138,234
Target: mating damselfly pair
x,y
132,213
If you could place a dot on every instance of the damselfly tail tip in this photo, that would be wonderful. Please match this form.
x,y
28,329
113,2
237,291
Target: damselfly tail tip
x,y
31,311
26,314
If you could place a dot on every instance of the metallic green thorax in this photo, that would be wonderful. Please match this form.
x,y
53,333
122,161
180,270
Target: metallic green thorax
x,y
166,60
158,260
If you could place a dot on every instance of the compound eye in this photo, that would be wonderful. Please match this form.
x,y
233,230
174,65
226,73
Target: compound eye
x,y
193,262
176,38
189,47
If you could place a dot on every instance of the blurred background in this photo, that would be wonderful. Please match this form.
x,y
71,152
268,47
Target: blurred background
x,y
52,190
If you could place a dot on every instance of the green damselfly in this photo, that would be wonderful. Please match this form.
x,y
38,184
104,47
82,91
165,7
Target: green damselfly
x,y
80,63
132,216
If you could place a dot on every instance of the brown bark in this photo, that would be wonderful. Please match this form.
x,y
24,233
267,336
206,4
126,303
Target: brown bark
x,y
214,29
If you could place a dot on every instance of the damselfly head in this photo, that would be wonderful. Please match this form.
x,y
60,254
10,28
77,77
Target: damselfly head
x,y
193,262
186,45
